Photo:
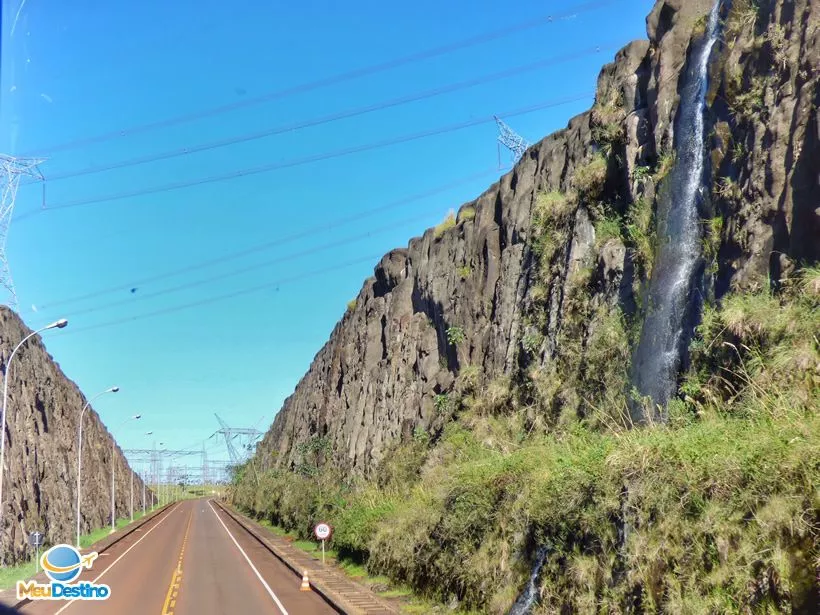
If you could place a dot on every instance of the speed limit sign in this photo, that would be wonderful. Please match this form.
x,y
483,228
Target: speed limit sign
x,y
322,531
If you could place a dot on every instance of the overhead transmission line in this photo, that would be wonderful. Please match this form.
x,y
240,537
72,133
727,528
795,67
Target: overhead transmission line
x,y
395,102
309,159
214,299
333,79
236,272
333,224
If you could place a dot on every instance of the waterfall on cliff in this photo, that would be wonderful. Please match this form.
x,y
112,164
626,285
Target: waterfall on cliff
x,y
674,289
529,596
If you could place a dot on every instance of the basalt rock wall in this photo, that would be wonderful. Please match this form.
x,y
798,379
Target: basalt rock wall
x,y
39,490
510,289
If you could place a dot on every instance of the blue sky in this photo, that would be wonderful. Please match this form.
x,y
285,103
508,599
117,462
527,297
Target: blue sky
x,y
76,70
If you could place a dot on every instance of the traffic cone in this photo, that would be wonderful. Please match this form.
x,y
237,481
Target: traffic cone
x,y
305,582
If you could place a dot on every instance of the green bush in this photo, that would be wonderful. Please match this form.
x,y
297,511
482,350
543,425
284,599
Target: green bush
x,y
608,115
641,174
746,102
467,213
640,234
665,163
589,179
455,335
448,223
606,229
551,207
468,379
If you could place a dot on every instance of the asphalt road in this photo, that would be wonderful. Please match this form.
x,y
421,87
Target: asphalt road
x,y
195,560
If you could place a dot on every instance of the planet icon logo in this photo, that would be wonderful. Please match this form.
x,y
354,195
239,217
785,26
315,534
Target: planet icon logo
x,y
64,563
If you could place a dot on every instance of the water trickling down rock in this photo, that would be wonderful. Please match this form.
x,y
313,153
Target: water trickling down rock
x,y
674,290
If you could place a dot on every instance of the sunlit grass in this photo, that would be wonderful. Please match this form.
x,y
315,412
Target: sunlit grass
x,y
11,574
720,501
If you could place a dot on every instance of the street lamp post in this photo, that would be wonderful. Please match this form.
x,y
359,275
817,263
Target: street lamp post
x,y
55,325
147,433
80,454
159,476
136,417
143,489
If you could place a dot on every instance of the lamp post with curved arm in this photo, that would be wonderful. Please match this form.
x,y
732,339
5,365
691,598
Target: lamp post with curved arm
x,y
55,325
136,417
80,454
159,475
147,433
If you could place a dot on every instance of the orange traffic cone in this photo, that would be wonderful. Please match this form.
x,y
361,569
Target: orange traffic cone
x,y
305,582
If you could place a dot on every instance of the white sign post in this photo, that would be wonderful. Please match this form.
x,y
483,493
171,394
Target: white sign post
x,y
35,539
322,531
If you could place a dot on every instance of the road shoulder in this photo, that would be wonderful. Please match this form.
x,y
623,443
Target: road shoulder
x,y
337,588
8,597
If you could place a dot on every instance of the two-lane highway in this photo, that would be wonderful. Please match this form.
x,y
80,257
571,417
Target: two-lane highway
x,y
193,560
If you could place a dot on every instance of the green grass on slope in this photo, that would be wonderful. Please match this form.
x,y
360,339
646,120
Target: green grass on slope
x,y
714,512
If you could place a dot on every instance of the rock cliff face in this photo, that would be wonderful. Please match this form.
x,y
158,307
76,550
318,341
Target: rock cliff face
x,y
39,490
545,273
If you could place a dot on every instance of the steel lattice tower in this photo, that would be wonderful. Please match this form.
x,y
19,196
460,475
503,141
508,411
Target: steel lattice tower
x,y
204,465
229,433
12,169
511,140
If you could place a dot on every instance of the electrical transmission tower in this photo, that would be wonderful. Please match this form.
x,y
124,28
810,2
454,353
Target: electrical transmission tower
x,y
229,433
204,465
12,169
511,140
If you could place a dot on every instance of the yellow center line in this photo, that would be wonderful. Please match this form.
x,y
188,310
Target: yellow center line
x,y
176,577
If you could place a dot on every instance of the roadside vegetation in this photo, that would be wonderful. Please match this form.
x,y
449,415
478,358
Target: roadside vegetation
x,y
715,511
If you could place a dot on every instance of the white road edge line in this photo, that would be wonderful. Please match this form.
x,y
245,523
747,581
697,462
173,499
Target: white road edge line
x,y
143,537
250,563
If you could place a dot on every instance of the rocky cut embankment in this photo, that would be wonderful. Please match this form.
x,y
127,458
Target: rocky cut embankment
x,y
486,295
39,490
496,350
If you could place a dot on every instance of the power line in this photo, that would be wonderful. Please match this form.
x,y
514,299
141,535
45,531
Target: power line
x,y
309,159
395,102
335,79
230,274
207,301
333,224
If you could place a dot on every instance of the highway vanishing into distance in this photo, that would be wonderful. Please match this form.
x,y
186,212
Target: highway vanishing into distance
x,y
193,559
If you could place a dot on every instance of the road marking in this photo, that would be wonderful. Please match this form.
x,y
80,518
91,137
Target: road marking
x,y
143,537
250,563
176,578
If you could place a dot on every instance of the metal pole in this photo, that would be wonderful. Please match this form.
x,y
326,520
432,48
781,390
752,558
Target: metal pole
x,y
143,493
60,324
79,471
37,560
80,455
136,417
323,552
113,464
132,495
